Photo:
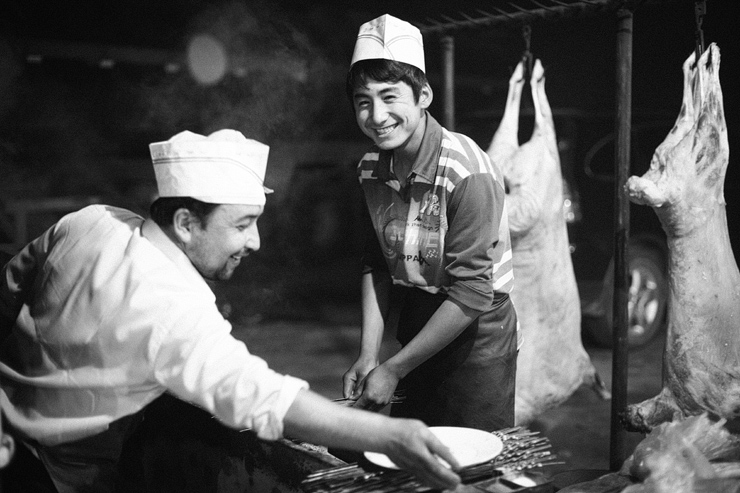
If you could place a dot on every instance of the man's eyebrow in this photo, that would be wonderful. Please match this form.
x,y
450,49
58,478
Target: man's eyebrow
x,y
246,217
390,91
360,93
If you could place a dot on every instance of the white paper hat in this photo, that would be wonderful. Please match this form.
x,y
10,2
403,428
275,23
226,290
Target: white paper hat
x,y
222,168
389,38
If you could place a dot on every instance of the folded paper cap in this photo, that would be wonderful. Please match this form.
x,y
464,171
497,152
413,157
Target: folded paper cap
x,y
222,168
389,38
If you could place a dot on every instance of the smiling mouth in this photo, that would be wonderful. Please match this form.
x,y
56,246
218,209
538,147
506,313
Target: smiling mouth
x,y
381,132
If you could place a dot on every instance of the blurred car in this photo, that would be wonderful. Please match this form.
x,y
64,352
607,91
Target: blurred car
x,y
589,209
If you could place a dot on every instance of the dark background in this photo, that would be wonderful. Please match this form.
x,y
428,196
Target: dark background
x,y
86,86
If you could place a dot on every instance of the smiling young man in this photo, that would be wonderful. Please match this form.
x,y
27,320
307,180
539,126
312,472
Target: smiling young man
x,y
106,311
438,246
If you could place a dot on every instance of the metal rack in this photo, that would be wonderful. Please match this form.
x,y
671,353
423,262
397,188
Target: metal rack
x,y
543,10
522,12
526,12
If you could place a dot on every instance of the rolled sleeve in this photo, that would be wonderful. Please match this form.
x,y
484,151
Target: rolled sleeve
x,y
474,215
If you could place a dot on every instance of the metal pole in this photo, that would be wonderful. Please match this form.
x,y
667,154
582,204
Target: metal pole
x,y
448,76
617,453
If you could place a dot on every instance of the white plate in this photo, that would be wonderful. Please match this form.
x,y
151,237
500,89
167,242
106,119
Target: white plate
x,y
468,445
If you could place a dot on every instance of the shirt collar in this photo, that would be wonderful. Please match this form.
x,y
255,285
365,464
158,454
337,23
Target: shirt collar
x,y
427,159
152,232
425,165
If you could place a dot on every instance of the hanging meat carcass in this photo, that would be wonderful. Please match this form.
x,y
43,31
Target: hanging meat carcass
x,y
552,362
685,187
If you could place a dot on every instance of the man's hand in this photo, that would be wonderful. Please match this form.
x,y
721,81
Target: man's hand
x,y
354,378
377,389
417,450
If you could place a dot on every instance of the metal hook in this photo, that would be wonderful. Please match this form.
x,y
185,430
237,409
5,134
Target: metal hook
x,y
527,33
700,9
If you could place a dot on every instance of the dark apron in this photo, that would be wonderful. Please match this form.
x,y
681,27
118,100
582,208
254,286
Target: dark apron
x,y
471,382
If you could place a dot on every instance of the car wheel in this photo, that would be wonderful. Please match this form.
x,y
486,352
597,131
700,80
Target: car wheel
x,y
646,299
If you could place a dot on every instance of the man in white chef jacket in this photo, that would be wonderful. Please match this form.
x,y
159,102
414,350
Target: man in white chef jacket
x,y
106,311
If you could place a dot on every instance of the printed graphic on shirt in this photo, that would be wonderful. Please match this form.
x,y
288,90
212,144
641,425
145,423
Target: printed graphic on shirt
x,y
411,238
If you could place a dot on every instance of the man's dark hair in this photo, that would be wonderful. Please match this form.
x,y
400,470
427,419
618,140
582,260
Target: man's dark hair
x,y
162,209
382,70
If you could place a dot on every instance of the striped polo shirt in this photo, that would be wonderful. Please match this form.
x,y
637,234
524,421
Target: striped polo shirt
x,y
447,229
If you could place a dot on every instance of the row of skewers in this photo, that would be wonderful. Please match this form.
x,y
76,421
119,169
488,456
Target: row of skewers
x,y
523,450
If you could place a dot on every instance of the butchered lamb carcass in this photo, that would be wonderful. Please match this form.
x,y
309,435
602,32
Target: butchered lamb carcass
x,y
552,362
685,187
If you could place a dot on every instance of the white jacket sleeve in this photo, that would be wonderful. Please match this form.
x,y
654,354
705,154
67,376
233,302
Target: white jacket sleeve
x,y
200,361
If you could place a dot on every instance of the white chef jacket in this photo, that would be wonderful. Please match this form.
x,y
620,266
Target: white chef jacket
x,y
112,314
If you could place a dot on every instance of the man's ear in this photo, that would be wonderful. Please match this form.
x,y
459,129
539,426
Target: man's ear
x,y
183,223
426,96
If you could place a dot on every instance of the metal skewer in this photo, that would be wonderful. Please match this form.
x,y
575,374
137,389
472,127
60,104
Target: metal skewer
x,y
523,449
